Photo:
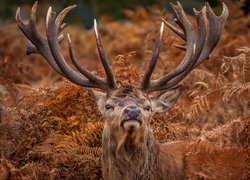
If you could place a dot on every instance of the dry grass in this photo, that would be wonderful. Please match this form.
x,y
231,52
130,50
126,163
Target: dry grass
x,y
52,128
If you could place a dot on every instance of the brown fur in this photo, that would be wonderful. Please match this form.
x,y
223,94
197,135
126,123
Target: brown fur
x,y
135,154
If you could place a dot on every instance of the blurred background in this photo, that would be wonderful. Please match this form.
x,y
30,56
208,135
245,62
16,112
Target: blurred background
x,y
111,9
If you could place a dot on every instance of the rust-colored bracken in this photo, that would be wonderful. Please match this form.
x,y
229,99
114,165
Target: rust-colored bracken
x,y
54,130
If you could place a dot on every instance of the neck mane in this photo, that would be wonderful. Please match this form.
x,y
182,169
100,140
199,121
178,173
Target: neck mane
x,y
135,157
126,159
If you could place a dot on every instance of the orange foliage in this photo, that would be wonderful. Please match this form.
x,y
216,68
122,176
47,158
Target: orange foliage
x,y
52,128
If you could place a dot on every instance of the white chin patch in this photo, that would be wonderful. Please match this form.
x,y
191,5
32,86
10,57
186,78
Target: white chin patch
x,y
131,125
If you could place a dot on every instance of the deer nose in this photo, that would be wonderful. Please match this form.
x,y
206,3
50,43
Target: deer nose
x,y
132,112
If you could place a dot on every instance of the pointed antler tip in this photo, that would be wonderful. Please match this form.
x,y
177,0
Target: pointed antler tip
x,y
204,8
95,28
69,8
172,4
69,38
34,6
195,11
165,22
49,15
224,6
60,38
18,15
18,10
49,10
161,29
35,3
33,12
207,4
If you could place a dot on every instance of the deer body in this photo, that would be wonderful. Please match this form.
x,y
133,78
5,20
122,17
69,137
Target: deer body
x,y
172,161
130,151
137,155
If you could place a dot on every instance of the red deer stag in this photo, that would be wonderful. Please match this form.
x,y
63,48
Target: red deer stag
x,y
129,148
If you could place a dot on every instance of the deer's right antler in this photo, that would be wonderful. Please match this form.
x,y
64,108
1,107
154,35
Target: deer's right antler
x,y
49,48
198,48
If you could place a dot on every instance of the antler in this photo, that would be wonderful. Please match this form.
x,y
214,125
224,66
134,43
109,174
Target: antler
x,y
199,45
49,48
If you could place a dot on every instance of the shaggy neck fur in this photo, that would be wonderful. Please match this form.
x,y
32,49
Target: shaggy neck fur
x,y
135,157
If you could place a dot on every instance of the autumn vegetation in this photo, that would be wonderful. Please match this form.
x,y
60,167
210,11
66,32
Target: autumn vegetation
x,y
51,129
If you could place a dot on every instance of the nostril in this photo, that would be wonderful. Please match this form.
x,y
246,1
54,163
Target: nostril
x,y
132,112
132,109
133,115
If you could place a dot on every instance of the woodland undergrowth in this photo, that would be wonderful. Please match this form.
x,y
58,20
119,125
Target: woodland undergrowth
x,y
52,128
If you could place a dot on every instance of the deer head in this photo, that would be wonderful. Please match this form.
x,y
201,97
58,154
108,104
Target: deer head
x,y
127,110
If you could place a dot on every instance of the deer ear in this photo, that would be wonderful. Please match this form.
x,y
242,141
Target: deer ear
x,y
99,97
166,100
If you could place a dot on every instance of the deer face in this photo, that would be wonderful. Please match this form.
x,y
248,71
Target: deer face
x,y
128,110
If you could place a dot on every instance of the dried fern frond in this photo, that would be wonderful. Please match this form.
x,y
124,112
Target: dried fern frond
x,y
203,102
212,98
89,135
224,135
93,151
237,91
238,67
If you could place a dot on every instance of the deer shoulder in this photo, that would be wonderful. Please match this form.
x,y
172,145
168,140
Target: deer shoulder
x,y
201,160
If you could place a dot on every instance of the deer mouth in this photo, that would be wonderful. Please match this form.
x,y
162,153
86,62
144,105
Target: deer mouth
x,y
131,124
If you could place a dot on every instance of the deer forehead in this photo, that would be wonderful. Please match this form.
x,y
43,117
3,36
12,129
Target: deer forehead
x,y
126,101
127,96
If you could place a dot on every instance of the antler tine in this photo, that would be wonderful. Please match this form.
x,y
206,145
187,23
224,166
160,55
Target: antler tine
x,y
82,70
180,47
28,29
49,48
104,60
191,38
37,44
52,29
62,15
175,30
174,78
33,12
85,79
146,79
213,33
199,45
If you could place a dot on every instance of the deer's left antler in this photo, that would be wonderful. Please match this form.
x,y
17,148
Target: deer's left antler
x,y
199,45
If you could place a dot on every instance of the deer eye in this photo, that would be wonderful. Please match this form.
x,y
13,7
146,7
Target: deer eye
x,y
147,108
109,107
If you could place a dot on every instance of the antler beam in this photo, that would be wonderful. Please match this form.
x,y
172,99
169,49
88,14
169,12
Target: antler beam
x,y
49,48
199,45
